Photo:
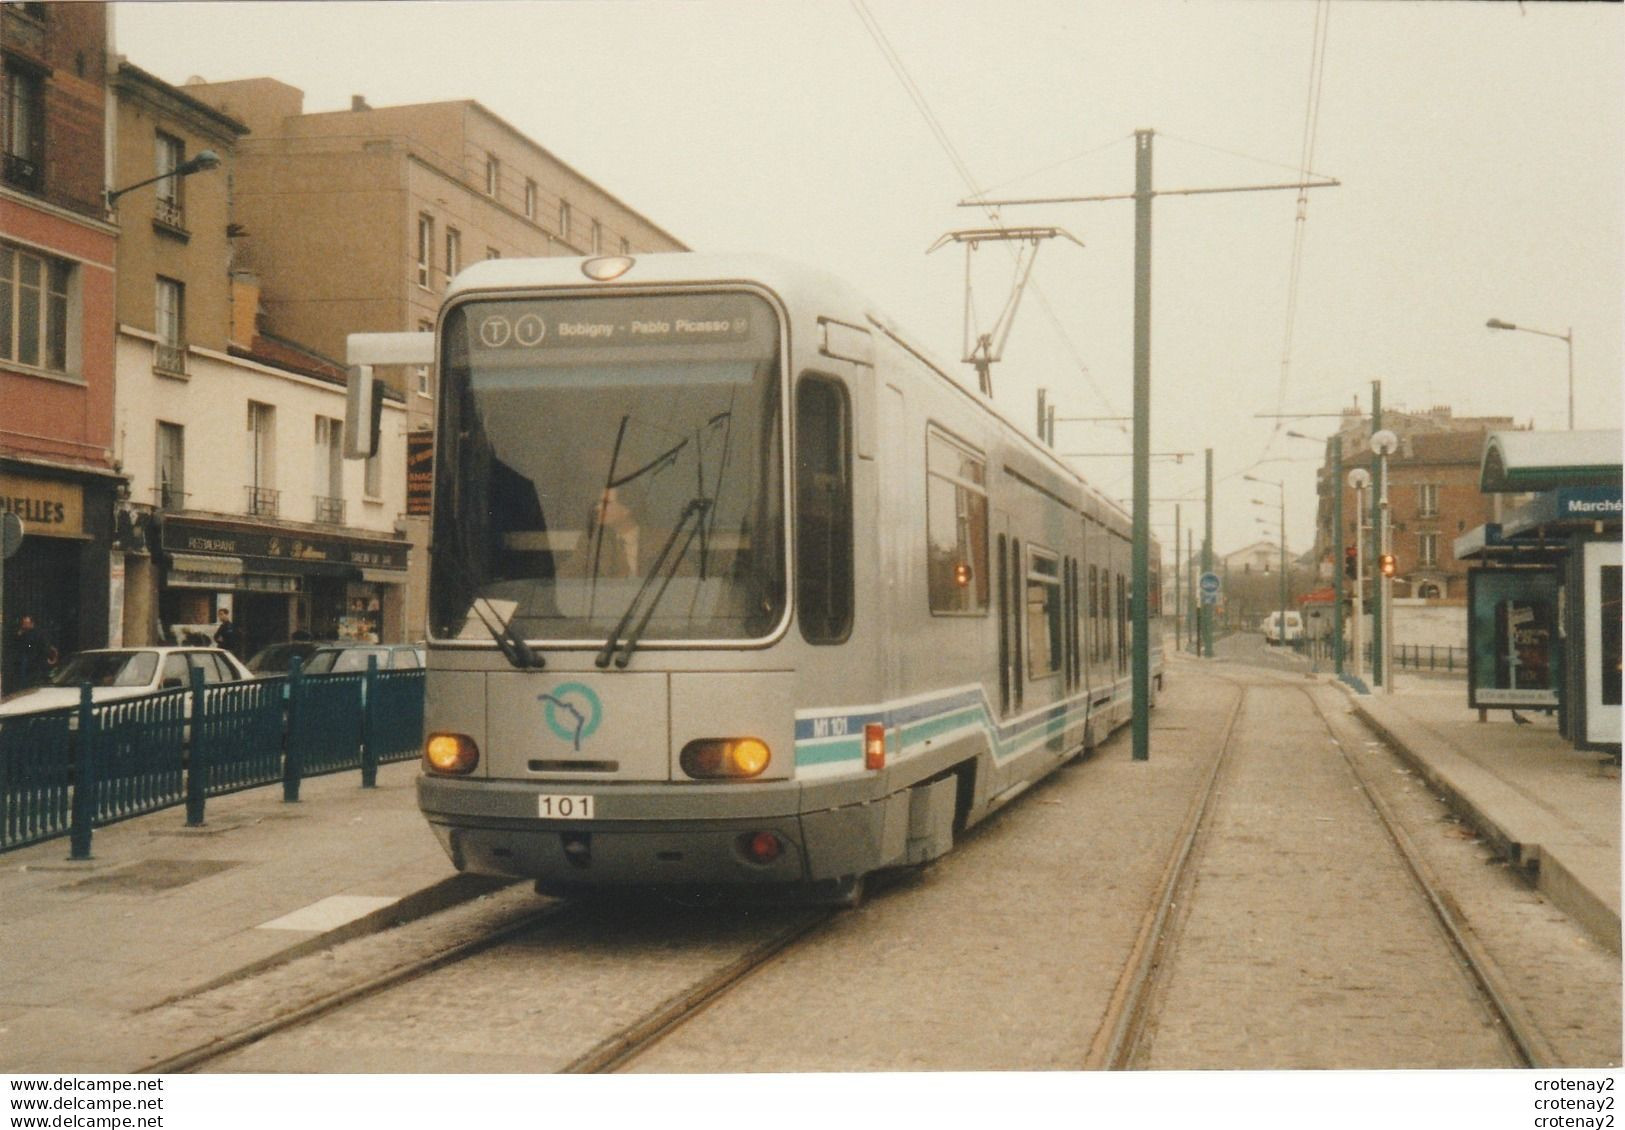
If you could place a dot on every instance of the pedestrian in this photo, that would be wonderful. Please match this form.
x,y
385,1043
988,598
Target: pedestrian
x,y
36,655
228,635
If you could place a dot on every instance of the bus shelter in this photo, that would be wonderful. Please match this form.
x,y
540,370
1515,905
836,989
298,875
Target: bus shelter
x,y
1543,627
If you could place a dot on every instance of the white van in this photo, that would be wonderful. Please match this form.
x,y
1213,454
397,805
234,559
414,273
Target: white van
x,y
1272,627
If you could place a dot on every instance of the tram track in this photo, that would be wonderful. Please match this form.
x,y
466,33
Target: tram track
x,y
607,1055
1127,1028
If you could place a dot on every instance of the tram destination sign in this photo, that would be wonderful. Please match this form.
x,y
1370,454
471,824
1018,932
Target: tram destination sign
x,y
663,322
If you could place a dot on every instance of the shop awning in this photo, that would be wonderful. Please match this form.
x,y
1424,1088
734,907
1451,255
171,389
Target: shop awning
x,y
199,570
1537,461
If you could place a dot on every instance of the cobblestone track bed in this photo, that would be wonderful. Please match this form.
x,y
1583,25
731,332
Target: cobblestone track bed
x,y
1305,941
1005,954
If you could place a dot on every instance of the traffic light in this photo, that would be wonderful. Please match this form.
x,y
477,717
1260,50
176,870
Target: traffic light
x,y
1386,563
1351,562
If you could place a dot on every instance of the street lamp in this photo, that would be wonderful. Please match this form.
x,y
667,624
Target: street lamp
x,y
1567,338
1359,479
204,160
1280,624
1385,443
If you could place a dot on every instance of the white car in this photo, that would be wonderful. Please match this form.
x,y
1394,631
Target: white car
x,y
1272,628
126,672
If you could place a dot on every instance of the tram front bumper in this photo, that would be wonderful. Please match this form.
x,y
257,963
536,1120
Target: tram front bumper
x,y
659,834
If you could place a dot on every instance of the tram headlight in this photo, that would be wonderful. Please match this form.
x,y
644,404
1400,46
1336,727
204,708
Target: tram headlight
x,y
454,754
714,758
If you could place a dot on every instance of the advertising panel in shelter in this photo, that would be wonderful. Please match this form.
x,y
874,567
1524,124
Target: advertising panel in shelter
x,y
1512,638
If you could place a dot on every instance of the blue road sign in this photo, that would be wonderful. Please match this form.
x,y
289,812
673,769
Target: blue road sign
x,y
1208,583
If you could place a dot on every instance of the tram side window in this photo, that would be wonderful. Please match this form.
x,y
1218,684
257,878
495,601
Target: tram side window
x,y
1043,614
1094,613
956,527
823,511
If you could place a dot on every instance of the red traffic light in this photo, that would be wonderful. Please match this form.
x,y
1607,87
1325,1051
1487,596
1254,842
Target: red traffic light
x,y
1351,562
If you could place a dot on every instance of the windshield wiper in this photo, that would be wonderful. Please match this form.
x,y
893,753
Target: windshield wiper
x,y
512,645
621,649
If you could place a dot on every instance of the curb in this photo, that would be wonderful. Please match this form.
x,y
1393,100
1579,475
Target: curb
x,y
1525,849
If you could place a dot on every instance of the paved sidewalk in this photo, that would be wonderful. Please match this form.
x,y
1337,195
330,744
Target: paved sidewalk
x,y
1545,805
162,910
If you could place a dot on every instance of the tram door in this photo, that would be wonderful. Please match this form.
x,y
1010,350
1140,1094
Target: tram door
x,y
895,525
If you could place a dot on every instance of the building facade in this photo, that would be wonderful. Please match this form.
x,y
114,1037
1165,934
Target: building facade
x,y
57,462
1432,492
231,437
357,219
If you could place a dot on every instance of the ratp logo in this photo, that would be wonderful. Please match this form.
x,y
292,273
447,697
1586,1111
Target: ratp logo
x,y
573,712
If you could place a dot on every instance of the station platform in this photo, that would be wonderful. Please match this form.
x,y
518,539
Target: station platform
x,y
161,910
1545,806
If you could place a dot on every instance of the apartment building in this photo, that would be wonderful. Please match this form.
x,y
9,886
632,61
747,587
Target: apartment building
x,y
356,220
231,436
57,470
1432,491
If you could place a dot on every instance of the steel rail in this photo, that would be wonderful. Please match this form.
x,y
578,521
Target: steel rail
x,y
620,1049
221,1046
1514,1020
1128,1007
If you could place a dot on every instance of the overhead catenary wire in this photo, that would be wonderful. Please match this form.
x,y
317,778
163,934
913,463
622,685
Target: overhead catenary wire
x,y
894,60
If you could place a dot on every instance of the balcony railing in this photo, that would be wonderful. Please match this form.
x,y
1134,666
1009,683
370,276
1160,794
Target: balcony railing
x,y
170,359
263,501
170,214
330,510
169,497
22,172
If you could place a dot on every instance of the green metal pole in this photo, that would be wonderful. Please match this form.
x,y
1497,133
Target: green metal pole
x,y
1207,561
1142,445
1377,673
1179,619
1337,553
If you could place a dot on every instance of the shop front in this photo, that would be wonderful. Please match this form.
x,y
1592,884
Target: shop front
x,y
279,582
59,575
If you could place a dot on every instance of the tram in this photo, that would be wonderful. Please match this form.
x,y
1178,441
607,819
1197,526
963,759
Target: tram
x,y
732,586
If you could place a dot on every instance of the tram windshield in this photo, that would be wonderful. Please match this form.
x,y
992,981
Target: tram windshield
x,y
609,467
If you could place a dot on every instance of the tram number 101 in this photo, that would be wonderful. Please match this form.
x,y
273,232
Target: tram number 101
x,y
553,806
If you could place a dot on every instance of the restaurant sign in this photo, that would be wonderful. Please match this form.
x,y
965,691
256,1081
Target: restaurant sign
x,y
182,536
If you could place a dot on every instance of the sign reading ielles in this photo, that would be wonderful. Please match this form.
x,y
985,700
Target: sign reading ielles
x,y
49,508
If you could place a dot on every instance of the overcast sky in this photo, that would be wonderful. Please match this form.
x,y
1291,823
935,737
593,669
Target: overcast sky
x,y
1478,146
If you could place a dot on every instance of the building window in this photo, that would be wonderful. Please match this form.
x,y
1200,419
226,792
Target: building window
x,y
597,238
564,220
22,127
1427,550
171,490
262,492
425,247
34,309
454,252
1427,500
169,153
421,376
956,527
373,481
329,470
492,253
169,322
626,247
493,174
530,200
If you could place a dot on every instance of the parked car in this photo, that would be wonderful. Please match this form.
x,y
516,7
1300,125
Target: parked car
x,y
127,672
1272,628
336,658
278,657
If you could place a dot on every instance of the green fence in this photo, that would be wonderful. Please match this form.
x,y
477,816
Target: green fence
x,y
63,772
